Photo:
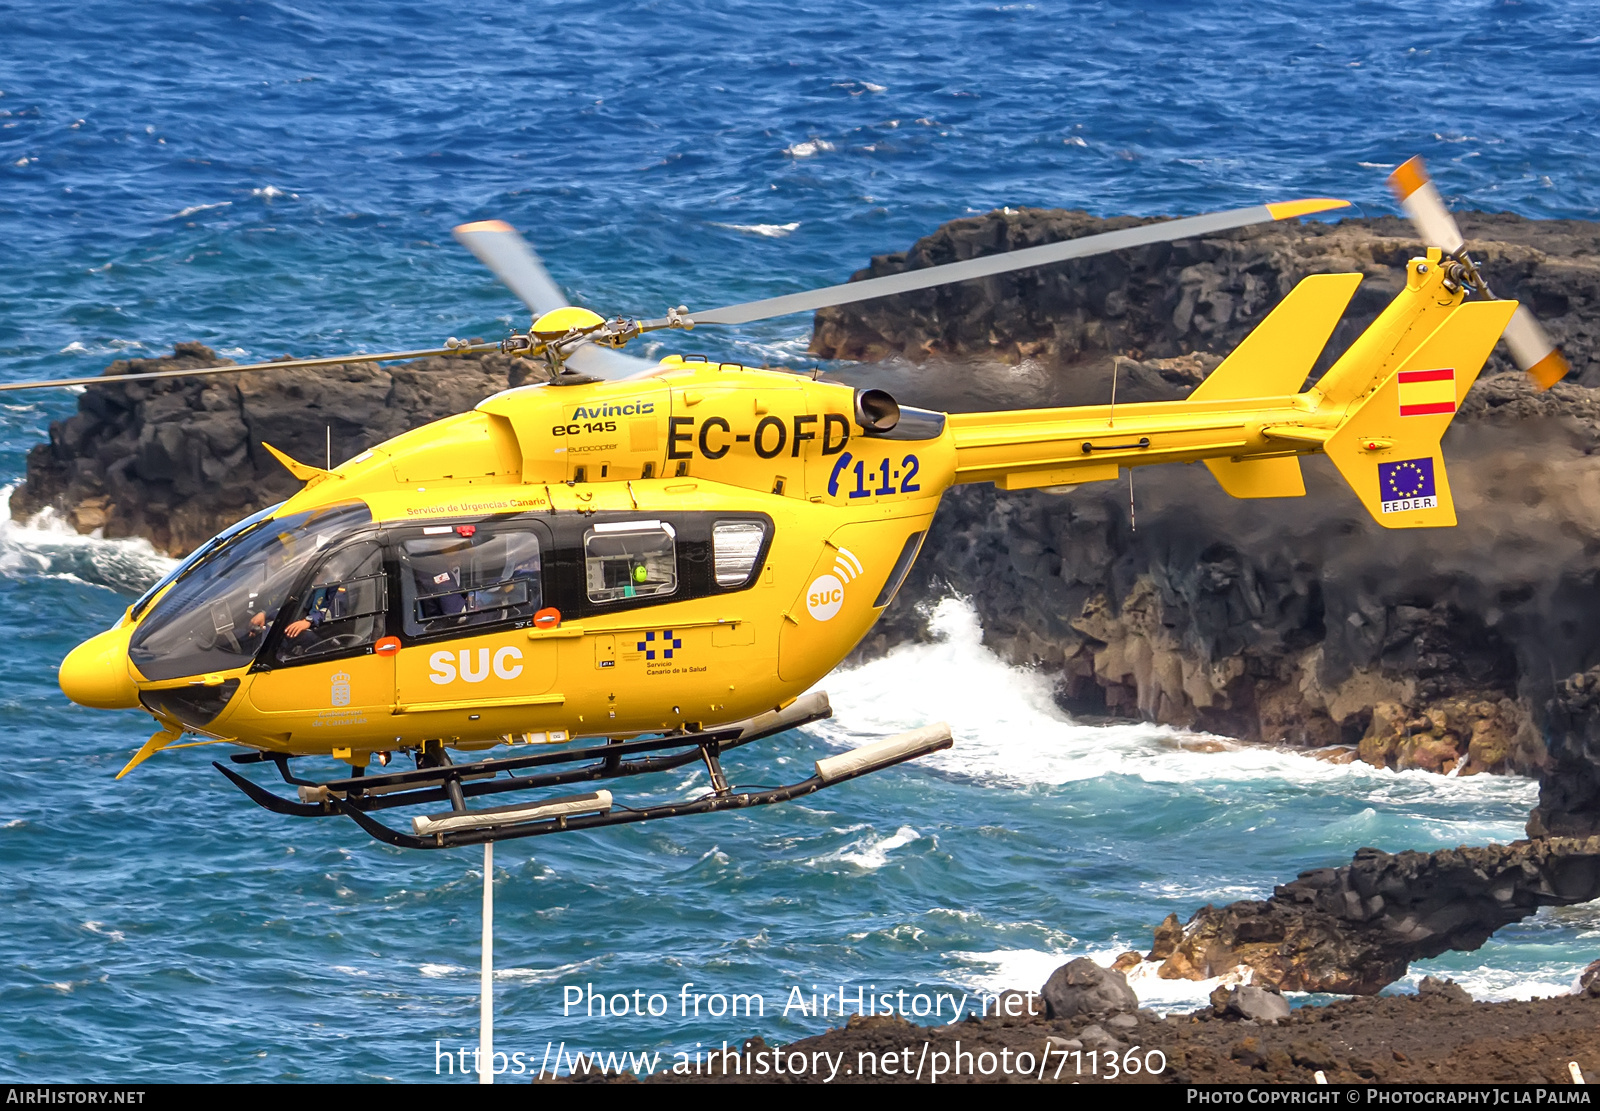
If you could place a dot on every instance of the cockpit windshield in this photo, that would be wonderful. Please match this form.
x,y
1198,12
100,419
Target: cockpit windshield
x,y
219,610
202,552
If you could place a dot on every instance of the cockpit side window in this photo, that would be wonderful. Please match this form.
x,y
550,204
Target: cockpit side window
x,y
342,608
457,577
218,613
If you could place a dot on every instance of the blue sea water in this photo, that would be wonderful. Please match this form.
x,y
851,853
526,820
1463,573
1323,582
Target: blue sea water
x,y
271,178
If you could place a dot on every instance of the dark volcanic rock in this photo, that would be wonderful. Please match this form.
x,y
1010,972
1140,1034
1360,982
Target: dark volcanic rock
x,y
1355,929
1252,1001
1443,989
1200,294
1569,791
178,460
1081,987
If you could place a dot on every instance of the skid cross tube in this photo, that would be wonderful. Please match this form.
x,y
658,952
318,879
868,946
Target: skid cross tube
x,y
432,785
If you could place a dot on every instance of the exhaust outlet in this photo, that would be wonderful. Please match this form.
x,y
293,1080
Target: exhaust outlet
x,y
876,411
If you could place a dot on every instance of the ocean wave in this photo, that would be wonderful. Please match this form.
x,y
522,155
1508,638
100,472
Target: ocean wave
x,y
1028,969
102,347
194,208
47,547
1009,732
808,148
769,231
1496,985
871,852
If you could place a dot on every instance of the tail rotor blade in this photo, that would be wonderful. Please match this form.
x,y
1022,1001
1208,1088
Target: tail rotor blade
x,y
1533,351
498,246
1420,199
1530,346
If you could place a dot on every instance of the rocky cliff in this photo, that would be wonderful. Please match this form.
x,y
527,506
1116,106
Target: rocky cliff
x,y
178,460
1355,929
1292,621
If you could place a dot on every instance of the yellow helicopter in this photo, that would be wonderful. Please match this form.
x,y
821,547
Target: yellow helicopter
x,y
648,564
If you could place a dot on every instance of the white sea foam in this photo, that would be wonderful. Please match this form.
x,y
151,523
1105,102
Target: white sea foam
x,y
872,851
768,231
1028,969
807,148
513,974
1009,732
48,547
192,209
107,347
1494,985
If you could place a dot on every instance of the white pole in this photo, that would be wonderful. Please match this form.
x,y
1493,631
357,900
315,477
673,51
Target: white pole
x,y
486,989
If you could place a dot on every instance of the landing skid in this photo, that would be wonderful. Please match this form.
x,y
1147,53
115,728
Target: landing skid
x,y
359,796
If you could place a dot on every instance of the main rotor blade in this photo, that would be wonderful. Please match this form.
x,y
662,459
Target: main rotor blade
x,y
283,364
498,246
1027,257
605,362
1531,347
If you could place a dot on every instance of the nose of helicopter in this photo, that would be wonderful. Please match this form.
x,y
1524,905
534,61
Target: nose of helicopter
x,y
96,672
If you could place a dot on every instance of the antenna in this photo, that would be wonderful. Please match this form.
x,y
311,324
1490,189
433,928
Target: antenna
x,y
1111,418
329,429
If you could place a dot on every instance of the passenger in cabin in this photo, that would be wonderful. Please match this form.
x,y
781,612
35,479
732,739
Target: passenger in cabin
x,y
438,585
326,604
473,582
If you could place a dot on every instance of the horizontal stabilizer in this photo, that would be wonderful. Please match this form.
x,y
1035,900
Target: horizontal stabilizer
x,y
1260,478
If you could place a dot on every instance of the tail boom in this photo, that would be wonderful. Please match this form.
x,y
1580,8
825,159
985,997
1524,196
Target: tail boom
x,y
1378,414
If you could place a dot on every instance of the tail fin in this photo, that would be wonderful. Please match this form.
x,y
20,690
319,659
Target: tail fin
x,y
1387,446
1275,359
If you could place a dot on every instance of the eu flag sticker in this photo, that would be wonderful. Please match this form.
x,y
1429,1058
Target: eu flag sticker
x,y
1407,485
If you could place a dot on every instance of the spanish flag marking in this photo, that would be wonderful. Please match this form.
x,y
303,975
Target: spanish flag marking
x,y
1424,392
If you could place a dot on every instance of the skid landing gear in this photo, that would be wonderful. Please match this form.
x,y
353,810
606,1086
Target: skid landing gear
x,y
359,796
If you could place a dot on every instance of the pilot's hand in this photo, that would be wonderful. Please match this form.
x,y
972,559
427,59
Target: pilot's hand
x,y
259,620
296,628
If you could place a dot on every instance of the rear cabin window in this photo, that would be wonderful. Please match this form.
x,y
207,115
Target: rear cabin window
x,y
630,559
734,548
460,577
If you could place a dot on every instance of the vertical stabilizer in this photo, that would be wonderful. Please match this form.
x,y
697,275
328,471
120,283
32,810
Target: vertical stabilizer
x,y
1387,448
1275,360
